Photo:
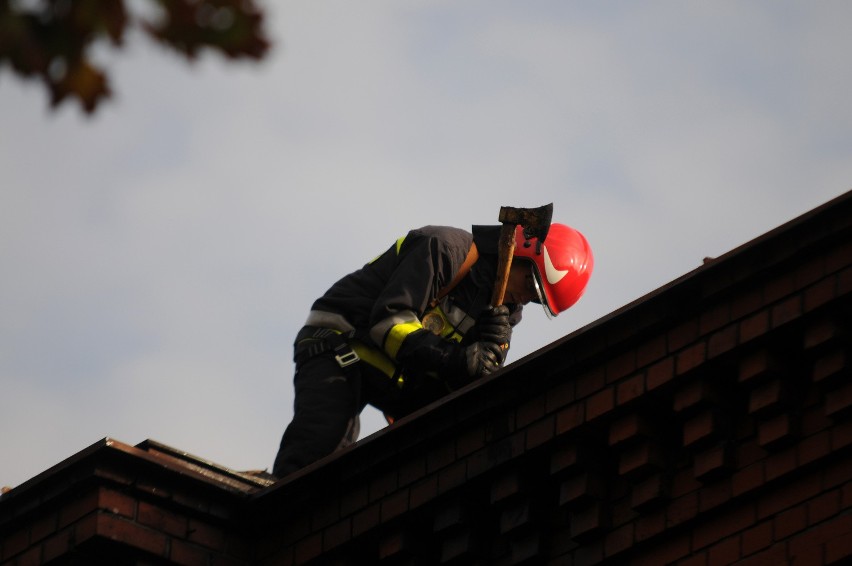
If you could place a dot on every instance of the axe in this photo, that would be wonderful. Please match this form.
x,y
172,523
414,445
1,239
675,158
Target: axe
x,y
536,223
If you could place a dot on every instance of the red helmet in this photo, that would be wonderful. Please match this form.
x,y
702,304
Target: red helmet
x,y
562,264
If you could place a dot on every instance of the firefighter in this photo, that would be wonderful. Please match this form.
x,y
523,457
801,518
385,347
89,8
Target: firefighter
x,y
414,324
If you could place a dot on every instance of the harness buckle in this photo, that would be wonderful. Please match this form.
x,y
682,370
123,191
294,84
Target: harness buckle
x,y
346,359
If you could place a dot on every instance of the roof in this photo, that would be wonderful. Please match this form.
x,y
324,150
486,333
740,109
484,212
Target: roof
x,y
685,424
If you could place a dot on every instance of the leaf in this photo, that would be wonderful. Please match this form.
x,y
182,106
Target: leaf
x,y
233,27
84,82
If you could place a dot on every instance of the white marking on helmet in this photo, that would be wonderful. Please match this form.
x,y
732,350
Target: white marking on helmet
x,y
553,275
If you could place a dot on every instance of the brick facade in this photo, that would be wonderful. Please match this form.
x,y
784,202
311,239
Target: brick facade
x,y
707,423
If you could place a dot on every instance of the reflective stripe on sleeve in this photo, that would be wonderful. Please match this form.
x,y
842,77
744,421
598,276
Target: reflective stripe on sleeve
x,y
397,335
391,332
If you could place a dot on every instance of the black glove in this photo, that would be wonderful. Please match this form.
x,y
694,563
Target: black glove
x,y
482,358
493,325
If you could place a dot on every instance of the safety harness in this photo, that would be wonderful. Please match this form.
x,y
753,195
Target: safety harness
x,y
313,341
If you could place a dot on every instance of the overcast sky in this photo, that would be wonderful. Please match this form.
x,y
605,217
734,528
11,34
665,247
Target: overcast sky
x,y
157,259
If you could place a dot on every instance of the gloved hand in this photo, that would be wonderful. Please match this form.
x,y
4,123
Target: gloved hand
x,y
493,325
482,358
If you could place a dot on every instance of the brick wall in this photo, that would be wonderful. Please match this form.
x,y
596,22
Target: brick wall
x,y
707,423
114,504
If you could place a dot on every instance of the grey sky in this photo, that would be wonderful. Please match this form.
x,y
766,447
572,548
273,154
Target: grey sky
x,y
158,259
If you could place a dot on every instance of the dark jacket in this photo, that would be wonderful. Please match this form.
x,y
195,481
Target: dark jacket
x,y
386,302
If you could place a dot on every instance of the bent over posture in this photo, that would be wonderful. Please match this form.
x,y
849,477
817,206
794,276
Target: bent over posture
x,y
414,324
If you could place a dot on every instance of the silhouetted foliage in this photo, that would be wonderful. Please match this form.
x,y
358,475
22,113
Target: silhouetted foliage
x,y
50,40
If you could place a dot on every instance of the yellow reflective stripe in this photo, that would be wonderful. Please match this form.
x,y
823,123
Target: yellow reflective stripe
x,y
397,334
374,357
397,246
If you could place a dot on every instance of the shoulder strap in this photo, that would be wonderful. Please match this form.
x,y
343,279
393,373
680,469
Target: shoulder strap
x,y
472,256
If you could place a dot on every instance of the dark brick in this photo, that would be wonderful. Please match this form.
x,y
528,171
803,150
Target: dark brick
x,y
712,462
700,428
337,534
714,495
797,492
683,334
756,538
600,403
831,367
505,486
452,476
820,294
627,428
590,382
439,457
714,318
394,505
181,552
424,491
814,447
530,411
838,403
162,520
630,389
514,516
414,468
754,326
724,553
392,544
570,418
781,463
838,549
641,458
720,527
844,282
560,396
79,507
758,365
563,458
748,479
660,373
776,430
651,351
365,520
786,311
649,524
723,341
588,520
622,365
690,358
60,544
689,395
767,397
203,533
581,488
749,302
540,432
649,491
121,530
791,521
308,548
817,536
353,500
778,288
618,540
386,481
117,503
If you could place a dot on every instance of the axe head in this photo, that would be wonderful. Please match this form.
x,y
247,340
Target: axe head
x,y
535,221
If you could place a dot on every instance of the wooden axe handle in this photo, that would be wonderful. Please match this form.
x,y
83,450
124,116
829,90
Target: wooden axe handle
x,y
505,251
